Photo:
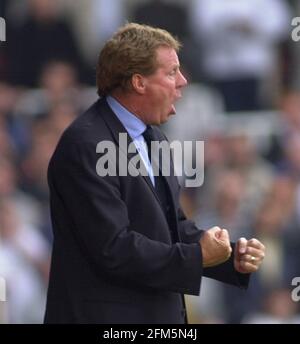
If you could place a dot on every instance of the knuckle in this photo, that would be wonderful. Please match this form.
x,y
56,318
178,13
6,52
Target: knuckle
x,y
244,263
253,241
207,234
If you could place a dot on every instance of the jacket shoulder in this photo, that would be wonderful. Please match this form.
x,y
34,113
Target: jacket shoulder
x,y
82,135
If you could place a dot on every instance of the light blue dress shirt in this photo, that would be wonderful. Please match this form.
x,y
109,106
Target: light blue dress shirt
x,y
135,128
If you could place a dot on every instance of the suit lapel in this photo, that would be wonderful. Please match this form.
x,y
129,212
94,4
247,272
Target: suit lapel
x,y
169,187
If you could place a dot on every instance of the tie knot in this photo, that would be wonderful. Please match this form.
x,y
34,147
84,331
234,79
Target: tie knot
x,y
149,134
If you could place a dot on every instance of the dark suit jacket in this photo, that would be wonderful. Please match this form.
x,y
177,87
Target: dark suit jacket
x,y
113,257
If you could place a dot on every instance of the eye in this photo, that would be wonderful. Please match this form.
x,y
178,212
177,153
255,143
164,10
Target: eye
x,y
173,72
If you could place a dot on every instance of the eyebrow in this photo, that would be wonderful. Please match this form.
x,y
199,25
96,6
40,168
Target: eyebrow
x,y
177,66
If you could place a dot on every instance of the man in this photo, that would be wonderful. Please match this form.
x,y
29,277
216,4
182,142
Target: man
x,y
123,250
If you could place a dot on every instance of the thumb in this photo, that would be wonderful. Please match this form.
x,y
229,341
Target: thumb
x,y
241,245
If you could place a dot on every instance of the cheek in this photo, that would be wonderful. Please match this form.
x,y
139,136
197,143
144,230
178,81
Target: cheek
x,y
163,96
168,95
168,87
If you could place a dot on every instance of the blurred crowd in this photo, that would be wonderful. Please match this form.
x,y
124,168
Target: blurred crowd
x,y
243,101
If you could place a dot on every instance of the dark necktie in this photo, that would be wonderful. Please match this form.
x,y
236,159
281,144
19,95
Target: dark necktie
x,y
149,137
161,187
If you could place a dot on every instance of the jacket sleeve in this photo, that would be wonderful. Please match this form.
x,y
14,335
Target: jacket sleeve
x,y
224,272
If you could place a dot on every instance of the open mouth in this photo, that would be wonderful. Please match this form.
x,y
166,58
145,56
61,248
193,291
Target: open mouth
x,y
173,109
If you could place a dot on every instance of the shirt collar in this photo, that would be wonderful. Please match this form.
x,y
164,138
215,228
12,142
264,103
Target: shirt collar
x,y
132,123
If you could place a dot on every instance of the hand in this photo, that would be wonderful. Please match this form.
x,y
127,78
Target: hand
x,y
248,255
215,246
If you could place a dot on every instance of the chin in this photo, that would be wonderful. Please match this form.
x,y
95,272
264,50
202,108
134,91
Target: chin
x,y
165,118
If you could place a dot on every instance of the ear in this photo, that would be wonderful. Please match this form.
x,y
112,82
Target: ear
x,y
138,83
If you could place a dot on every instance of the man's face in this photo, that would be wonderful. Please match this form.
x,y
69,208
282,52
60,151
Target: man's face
x,y
163,87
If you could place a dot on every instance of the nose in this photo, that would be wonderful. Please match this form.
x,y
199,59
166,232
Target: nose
x,y
181,80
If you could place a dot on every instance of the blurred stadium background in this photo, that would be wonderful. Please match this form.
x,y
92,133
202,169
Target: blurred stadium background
x,y
243,100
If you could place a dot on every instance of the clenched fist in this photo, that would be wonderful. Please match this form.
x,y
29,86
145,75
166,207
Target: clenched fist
x,y
215,246
248,255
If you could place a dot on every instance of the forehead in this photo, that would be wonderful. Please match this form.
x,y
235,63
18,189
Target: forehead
x,y
166,57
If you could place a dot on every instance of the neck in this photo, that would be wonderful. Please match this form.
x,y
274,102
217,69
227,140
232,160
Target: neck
x,y
130,101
